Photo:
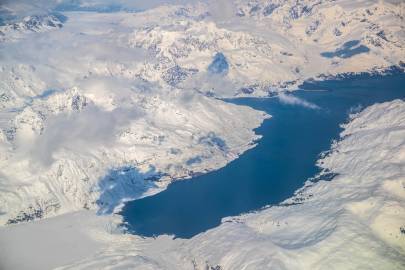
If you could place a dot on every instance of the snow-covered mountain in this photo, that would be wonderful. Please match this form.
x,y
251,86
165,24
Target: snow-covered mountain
x,y
67,151
29,24
100,108
267,51
145,70
268,45
148,71
359,215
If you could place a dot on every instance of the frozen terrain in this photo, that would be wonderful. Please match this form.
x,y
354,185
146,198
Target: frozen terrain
x,y
144,74
67,129
99,108
267,45
360,212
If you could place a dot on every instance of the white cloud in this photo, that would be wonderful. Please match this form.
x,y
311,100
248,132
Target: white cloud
x,y
222,9
21,8
293,100
135,4
80,131
205,82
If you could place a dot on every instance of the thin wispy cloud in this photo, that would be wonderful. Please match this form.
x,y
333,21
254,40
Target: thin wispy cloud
x,y
293,100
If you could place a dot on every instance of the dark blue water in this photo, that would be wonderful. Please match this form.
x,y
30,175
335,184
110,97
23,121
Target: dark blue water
x,y
270,173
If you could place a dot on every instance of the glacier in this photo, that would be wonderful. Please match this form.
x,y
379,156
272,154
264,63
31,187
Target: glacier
x,y
87,98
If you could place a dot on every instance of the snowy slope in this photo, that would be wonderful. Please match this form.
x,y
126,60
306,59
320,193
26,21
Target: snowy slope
x,y
360,212
100,108
266,51
269,45
70,151
31,24
79,129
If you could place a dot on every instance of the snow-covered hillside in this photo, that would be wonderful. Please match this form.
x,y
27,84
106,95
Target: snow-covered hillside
x,y
268,51
31,24
80,129
100,108
96,146
360,212
268,45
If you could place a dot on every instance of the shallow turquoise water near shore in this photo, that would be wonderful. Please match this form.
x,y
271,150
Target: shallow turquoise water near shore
x,y
271,172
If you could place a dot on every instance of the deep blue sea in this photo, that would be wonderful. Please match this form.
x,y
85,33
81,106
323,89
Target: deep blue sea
x,y
282,161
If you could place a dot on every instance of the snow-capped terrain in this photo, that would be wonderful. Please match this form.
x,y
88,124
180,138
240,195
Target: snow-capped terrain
x,y
100,108
360,212
31,24
268,45
76,135
268,51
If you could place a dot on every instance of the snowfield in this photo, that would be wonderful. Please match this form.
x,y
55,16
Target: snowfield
x,y
68,151
92,134
93,97
361,211
100,108
269,45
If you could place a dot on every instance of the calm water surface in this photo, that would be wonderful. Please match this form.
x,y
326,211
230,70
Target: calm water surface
x,y
270,173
